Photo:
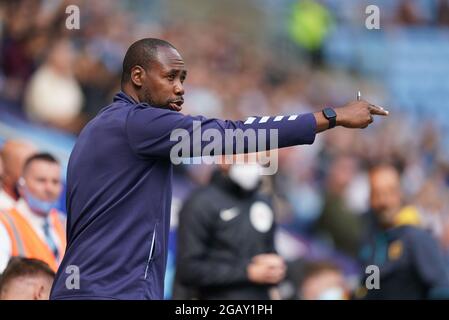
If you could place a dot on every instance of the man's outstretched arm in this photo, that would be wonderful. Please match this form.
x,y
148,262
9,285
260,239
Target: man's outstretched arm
x,y
153,132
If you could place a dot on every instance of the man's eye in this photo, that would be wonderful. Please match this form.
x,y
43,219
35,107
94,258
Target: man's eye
x,y
171,77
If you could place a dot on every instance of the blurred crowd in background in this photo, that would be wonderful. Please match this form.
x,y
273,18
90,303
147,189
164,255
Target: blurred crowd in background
x,y
258,58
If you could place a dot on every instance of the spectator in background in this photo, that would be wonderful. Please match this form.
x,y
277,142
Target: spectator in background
x,y
26,279
430,202
13,156
54,96
309,25
410,261
33,228
226,239
322,281
337,223
16,62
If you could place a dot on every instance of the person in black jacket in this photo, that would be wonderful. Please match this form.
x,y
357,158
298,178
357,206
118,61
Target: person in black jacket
x,y
226,239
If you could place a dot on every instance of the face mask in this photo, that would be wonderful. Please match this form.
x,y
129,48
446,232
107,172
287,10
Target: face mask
x,y
335,293
38,206
247,176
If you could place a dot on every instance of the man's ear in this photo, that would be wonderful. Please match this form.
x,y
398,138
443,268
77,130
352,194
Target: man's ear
x,y
40,293
20,185
137,75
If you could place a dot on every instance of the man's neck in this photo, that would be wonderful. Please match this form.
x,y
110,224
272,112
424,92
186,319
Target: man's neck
x,y
25,209
130,93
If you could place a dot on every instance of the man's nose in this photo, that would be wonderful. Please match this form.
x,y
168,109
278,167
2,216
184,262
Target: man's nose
x,y
179,89
51,190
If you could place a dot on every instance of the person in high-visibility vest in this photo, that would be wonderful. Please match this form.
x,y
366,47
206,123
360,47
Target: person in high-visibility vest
x,y
34,228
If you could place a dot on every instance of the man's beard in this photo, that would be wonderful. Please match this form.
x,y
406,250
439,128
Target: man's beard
x,y
148,98
386,217
169,104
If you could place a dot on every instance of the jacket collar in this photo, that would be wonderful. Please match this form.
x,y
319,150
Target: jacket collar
x,y
121,96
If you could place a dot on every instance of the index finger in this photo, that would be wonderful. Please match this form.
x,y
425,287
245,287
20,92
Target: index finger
x,y
377,110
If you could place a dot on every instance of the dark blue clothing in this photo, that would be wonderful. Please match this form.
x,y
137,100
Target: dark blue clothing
x,y
411,265
119,195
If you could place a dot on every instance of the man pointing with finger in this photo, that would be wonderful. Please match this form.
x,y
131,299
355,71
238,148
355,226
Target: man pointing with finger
x,y
119,174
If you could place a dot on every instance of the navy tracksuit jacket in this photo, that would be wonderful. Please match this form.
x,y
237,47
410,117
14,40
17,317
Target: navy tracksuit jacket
x,y
119,196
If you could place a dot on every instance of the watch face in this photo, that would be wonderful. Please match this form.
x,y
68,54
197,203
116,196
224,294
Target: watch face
x,y
329,113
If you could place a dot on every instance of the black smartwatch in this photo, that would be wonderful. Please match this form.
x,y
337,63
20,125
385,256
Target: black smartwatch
x,y
330,115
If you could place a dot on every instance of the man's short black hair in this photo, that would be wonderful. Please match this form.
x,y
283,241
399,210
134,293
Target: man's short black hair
x,y
44,156
142,52
24,267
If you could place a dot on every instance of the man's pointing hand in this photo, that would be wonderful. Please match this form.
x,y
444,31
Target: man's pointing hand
x,y
356,114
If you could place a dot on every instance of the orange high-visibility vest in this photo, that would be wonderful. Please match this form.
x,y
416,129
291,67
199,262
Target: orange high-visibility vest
x,y
25,242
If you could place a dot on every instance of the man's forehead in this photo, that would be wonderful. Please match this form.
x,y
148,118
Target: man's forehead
x,y
385,179
170,58
36,166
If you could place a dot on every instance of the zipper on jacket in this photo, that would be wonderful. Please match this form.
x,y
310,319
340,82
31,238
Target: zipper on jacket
x,y
150,256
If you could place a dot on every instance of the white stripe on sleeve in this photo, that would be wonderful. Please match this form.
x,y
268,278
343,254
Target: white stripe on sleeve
x,y
249,120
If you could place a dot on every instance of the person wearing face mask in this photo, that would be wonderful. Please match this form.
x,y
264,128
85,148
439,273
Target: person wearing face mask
x,y
34,228
226,239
